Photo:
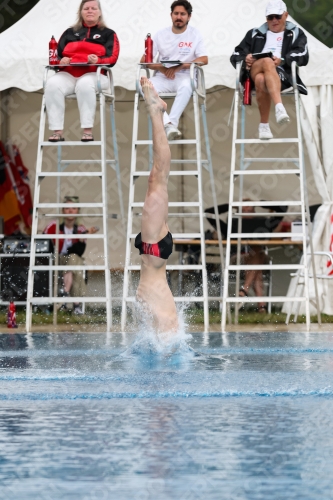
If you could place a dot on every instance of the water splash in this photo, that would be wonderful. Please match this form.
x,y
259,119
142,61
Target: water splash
x,y
153,350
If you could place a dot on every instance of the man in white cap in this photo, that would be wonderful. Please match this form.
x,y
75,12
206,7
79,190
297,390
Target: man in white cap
x,y
288,43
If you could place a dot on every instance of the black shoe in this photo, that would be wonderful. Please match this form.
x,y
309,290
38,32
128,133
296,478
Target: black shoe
x,y
63,307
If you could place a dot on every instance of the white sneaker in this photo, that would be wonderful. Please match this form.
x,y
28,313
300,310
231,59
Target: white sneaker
x,y
172,132
77,311
281,114
265,132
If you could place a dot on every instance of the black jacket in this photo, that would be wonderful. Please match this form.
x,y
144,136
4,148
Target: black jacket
x,y
294,48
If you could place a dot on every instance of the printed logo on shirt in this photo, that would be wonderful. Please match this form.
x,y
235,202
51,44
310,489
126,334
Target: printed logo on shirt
x,y
279,38
185,44
77,34
96,36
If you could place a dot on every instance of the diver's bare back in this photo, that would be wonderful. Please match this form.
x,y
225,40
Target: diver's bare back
x,y
155,241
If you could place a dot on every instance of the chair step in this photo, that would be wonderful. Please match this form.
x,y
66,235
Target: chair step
x,y
65,236
64,205
172,173
262,204
267,172
70,143
265,267
69,162
265,299
265,235
64,300
68,267
110,216
171,204
264,214
271,160
69,174
267,141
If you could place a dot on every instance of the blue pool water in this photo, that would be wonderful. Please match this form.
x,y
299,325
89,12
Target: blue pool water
x,y
238,416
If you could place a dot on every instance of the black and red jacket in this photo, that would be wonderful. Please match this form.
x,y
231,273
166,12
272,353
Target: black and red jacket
x,y
294,48
78,246
78,44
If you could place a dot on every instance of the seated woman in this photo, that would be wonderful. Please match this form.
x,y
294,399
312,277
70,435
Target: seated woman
x,y
71,250
90,42
255,254
155,241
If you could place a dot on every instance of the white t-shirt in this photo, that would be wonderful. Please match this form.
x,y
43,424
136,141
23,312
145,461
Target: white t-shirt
x,y
184,47
274,43
67,242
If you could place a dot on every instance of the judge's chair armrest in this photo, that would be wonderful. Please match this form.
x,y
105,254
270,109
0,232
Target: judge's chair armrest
x,y
46,74
108,70
238,72
198,79
294,74
138,77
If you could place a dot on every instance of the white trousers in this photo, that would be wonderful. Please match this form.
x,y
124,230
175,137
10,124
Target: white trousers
x,y
182,86
85,88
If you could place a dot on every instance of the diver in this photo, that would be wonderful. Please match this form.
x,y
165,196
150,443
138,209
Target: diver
x,y
155,240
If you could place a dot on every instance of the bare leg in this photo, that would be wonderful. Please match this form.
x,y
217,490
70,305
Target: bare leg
x,y
263,98
155,210
254,278
68,281
269,83
153,290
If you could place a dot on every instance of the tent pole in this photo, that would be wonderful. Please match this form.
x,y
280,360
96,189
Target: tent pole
x,y
4,117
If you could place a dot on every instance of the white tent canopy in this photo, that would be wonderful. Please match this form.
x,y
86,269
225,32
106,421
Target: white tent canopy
x,y
24,53
24,46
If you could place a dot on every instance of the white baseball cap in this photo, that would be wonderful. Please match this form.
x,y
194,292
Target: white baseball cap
x,y
275,7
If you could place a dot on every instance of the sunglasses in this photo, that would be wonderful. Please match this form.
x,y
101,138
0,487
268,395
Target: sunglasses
x,y
274,16
72,199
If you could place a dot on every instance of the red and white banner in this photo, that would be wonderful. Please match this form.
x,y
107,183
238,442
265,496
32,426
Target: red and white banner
x,y
329,263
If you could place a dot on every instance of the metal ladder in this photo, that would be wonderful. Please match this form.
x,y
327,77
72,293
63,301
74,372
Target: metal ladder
x,y
199,92
297,169
97,209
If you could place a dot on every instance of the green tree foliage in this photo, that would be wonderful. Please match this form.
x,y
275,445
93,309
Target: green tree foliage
x,y
316,16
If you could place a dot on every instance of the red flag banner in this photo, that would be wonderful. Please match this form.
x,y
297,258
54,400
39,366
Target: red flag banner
x,y
329,265
9,208
21,187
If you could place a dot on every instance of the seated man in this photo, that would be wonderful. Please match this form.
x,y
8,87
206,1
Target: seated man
x,y
288,43
179,42
71,250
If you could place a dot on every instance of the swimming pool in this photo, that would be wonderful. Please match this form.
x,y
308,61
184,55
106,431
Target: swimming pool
x,y
242,416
